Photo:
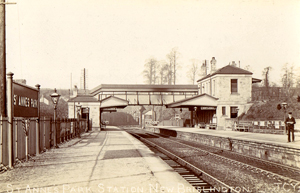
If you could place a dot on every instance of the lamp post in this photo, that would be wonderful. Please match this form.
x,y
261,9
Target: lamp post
x,y
55,99
78,119
284,105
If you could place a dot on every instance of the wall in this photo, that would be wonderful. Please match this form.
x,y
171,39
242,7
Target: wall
x,y
94,111
227,99
280,154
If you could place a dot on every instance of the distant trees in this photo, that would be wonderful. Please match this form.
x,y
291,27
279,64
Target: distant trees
x,y
288,80
162,72
173,65
150,72
193,71
119,118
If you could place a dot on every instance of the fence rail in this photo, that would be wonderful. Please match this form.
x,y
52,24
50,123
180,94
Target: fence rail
x,y
25,132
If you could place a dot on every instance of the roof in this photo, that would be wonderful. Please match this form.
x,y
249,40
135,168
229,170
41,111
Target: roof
x,y
143,87
229,69
113,102
199,100
83,98
256,80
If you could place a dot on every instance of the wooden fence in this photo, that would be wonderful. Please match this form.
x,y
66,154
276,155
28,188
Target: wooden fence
x,y
275,127
25,136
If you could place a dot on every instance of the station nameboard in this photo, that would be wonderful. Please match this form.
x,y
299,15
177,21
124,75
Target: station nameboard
x,y
25,100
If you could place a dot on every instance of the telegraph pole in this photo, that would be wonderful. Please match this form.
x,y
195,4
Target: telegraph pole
x,y
3,110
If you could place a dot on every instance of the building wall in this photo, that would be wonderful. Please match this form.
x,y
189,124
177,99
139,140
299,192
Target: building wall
x,y
219,86
94,111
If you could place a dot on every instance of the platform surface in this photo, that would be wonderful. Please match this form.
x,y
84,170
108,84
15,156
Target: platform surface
x,y
276,139
110,160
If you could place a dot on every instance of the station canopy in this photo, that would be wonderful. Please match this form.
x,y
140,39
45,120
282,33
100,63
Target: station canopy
x,y
203,100
113,102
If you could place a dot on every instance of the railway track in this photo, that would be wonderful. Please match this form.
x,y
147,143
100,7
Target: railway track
x,y
278,173
202,181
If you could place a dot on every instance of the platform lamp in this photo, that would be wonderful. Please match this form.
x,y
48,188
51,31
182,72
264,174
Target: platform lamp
x,y
78,107
55,98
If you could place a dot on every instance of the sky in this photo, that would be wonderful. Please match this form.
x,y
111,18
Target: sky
x,y
51,42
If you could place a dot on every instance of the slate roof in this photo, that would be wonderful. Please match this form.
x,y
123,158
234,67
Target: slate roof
x,y
229,69
83,98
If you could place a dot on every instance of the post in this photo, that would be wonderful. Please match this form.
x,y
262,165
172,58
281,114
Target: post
x,y
1,137
10,117
191,121
26,139
286,132
100,117
141,118
54,132
16,139
37,127
3,102
44,141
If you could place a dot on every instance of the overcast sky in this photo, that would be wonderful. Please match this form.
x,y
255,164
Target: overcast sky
x,y
47,41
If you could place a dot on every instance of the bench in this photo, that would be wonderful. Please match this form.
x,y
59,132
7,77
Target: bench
x,y
244,126
202,125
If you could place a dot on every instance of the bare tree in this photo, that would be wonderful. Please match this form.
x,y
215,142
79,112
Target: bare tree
x,y
287,80
191,74
163,72
173,65
248,67
150,71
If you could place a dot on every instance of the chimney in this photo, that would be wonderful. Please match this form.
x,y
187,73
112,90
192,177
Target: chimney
x,y
204,69
75,91
233,63
213,65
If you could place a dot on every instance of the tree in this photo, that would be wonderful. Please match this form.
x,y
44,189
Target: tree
x,y
287,80
191,74
163,72
248,68
173,65
266,82
150,72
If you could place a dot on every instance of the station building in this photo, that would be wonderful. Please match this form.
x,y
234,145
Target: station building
x,y
216,101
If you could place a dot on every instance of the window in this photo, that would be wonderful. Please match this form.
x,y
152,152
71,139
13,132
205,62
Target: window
x,y
234,86
233,112
223,110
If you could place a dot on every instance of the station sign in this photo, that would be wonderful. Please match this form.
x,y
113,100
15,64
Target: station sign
x,y
208,108
25,100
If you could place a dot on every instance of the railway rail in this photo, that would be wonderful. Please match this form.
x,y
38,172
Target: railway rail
x,y
202,181
278,173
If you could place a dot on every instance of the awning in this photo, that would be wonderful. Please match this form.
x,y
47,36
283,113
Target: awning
x,y
113,102
256,80
203,100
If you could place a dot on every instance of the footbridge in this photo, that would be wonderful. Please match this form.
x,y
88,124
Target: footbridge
x,y
109,97
112,94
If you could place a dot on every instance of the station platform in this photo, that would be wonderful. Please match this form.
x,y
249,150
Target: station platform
x,y
276,139
271,147
109,160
